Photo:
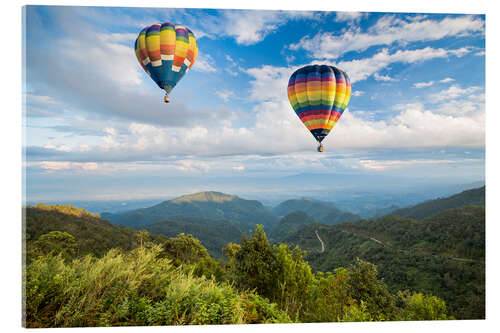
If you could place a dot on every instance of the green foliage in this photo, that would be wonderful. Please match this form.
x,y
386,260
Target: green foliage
x,y
54,242
188,251
133,288
65,209
91,234
442,255
363,286
256,266
213,234
179,283
184,249
295,279
422,307
290,224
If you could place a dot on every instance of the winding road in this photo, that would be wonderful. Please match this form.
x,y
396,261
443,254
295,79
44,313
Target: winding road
x,y
322,244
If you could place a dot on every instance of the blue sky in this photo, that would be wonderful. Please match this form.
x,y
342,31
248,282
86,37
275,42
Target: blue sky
x,y
96,126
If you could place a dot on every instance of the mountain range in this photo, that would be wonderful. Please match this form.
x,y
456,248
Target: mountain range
x,y
436,246
208,205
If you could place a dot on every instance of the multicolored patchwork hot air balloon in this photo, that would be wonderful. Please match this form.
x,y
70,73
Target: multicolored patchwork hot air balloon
x,y
166,52
319,95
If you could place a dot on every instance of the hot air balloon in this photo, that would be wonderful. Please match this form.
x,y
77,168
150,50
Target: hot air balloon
x,y
166,52
319,95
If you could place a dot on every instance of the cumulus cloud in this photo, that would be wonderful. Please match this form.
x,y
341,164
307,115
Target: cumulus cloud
x,y
52,166
389,29
378,165
423,84
204,63
446,80
454,92
361,69
250,26
225,94
385,78
349,16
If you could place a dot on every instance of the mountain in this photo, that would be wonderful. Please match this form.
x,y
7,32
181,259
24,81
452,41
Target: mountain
x,y
443,254
208,205
91,233
290,224
213,234
323,211
428,208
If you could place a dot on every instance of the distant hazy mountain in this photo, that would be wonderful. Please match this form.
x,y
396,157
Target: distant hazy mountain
x,y
290,224
208,205
431,207
321,211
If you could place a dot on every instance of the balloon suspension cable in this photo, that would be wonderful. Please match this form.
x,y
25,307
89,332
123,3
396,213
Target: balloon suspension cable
x,y
166,99
320,147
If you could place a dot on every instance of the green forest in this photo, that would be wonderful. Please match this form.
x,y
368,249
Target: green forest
x,y
81,270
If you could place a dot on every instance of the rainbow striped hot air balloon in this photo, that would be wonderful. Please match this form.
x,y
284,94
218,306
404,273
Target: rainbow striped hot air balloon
x,y
166,52
319,95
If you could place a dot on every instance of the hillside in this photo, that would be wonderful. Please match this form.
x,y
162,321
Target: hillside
x,y
323,211
290,224
208,205
443,254
213,234
428,208
91,233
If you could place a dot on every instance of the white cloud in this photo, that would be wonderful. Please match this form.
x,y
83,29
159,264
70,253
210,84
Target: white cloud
x,y
388,30
204,63
224,94
125,38
52,166
251,26
453,92
104,55
39,99
385,78
423,84
58,147
377,165
361,69
357,93
349,16
446,80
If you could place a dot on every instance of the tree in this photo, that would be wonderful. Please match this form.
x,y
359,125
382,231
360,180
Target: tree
x,y
256,266
364,286
53,243
422,307
142,235
184,249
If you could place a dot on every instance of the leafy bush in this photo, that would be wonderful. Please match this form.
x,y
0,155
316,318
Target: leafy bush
x,y
133,288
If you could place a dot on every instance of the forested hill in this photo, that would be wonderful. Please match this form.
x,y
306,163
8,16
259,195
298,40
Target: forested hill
x,y
213,234
325,212
443,254
90,233
208,205
290,224
466,198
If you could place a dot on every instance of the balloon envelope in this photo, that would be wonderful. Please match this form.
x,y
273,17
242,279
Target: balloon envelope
x,y
319,95
166,52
